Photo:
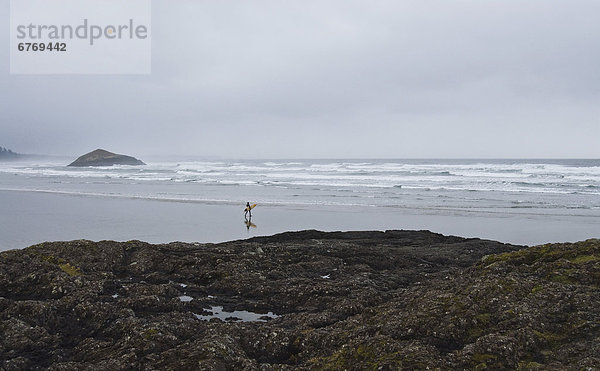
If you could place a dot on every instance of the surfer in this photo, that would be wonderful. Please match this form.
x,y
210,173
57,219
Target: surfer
x,y
248,210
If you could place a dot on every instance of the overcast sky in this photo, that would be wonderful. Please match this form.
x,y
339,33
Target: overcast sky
x,y
331,79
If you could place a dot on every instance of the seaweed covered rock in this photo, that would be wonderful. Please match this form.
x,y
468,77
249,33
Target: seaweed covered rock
x,y
536,307
304,300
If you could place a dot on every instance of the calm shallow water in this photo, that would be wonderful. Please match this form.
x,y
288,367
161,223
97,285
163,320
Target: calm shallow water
x,y
528,201
242,315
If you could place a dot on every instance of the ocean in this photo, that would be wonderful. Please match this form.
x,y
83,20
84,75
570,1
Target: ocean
x,y
518,201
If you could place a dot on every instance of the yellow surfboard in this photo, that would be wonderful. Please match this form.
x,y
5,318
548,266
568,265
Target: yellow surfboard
x,y
250,208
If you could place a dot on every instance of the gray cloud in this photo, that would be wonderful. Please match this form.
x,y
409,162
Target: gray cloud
x,y
331,79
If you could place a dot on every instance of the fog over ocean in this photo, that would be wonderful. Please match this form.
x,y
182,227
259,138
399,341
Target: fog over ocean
x,y
519,201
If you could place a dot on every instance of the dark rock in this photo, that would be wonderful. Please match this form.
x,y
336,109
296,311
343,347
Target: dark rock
x,y
7,154
101,157
357,300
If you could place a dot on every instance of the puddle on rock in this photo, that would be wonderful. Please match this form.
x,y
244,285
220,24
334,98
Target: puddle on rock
x,y
243,315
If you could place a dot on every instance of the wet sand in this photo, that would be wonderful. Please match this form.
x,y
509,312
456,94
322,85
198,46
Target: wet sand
x,y
32,217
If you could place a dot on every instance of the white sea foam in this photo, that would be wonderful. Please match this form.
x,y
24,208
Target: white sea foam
x,y
365,183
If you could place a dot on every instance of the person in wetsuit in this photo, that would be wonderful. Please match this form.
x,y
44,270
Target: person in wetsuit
x,y
247,210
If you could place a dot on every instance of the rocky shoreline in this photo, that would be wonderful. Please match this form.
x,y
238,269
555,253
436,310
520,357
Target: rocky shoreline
x,y
8,155
301,300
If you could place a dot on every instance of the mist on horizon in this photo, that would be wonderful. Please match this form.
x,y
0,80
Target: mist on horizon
x,y
330,79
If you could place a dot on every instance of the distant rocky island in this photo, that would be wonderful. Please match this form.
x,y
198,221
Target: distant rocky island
x,y
303,300
7,154
101,157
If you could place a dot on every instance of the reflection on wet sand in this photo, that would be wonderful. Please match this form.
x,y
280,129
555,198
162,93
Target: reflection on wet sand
x,y
248,222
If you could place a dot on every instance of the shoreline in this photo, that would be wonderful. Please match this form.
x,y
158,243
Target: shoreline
x,y
512,211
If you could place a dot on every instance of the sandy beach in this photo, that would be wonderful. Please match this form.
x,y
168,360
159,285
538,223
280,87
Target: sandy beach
x,y
33,217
